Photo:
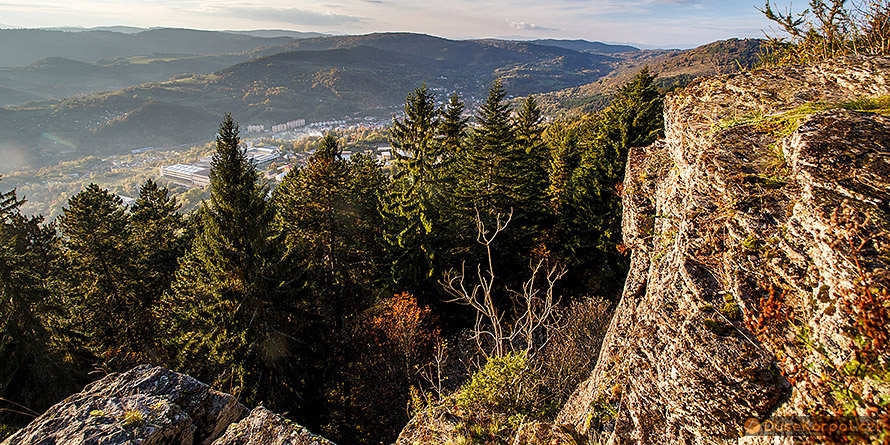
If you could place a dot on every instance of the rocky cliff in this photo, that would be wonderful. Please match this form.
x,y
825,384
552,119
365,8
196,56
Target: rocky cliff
x,y
759,265
152,405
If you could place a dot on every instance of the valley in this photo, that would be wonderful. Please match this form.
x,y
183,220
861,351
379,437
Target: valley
x,y
60,109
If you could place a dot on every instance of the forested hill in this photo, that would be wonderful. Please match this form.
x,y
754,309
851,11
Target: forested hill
x,y
315,79
20,47
584,45
319,80
672,68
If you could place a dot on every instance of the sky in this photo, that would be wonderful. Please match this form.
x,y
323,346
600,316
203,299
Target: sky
x,y
651,23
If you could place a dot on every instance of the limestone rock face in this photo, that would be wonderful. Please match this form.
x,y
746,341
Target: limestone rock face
x,y
152,405
740,224
263,427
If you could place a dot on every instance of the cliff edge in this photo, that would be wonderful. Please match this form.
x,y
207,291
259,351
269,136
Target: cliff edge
x,y
757,228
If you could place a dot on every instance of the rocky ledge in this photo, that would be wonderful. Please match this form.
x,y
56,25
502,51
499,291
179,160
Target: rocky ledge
x,y
751,227
152,405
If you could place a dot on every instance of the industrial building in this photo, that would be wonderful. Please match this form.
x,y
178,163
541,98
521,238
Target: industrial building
x,y
191,174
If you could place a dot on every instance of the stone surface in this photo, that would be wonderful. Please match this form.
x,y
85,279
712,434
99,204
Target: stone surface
x,y
434,425
152,405
263,427
539,433
738,247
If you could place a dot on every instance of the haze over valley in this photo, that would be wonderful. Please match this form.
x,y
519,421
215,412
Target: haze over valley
x,y
68,95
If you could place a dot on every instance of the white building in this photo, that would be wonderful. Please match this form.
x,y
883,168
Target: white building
x,y
193,174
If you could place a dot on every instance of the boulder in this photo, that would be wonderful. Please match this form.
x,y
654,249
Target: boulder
x,y
263,427
152,405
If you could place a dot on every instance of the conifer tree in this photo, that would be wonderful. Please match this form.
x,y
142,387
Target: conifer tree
x,y
331,229
236,218
313,214
158,237
562,162
634,119
32,374
534,157
492,175
452,127
530,137
99,277
228,323
412,207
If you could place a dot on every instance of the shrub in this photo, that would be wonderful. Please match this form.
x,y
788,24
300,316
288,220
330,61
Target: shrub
x,y
505,385
827,29
732,311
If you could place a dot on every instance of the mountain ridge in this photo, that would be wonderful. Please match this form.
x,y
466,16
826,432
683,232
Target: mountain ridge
x,y
315,79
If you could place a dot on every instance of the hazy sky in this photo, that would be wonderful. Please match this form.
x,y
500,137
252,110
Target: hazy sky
x,y
661,23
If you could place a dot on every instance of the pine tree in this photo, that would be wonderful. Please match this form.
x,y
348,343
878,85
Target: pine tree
x,y
412,207
32,374
227,322
634,119
100,277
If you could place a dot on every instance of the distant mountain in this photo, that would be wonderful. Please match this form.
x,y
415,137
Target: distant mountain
x,y
315,79
279,33
53,77
584,45
120,29
21,47
57,77
328,78
673,68
13,96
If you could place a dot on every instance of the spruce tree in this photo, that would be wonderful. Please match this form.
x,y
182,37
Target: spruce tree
x,y
562,162
534,159
158,237
412,216
492,172
452,127
100,277
32,373
236,220
493,181
313,215
634,119
328,216
331,231
228,324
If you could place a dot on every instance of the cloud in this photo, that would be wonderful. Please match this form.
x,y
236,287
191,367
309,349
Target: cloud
x,y
293,16
528,26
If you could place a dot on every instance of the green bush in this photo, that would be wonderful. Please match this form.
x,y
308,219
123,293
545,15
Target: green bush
x,y
506,385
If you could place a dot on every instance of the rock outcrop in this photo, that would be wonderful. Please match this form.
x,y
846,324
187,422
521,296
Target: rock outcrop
x,y
152,405
263,427
750,224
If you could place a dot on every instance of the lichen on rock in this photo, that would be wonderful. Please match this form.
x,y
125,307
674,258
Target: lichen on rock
x,y
152,405
737,250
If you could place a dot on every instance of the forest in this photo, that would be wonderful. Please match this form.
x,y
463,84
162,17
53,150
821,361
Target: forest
x,y
345,297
